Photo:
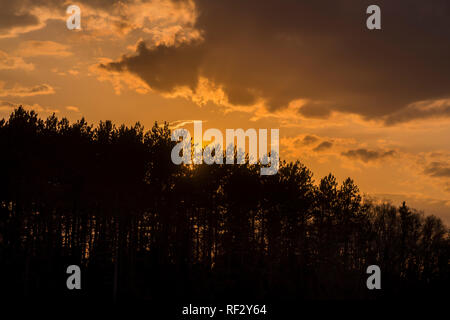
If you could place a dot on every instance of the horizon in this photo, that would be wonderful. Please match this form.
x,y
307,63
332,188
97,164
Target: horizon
x,y
393,199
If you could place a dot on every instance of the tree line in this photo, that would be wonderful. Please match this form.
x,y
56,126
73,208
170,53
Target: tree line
x,y
110,199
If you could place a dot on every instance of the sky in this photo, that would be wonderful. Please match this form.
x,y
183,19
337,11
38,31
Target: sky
x,y
373,105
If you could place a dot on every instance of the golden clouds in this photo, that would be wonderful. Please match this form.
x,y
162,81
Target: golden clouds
x,y
35,48
304,53
161,21
8,107
73,108
23,91
8,62
24,16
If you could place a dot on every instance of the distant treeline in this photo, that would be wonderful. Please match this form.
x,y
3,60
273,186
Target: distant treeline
x,y
110,200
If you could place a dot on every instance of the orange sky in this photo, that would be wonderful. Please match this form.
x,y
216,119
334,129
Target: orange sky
x,y
372,105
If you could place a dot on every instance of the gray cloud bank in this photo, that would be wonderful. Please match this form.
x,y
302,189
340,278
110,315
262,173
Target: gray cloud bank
x,y
325,145
367,155
438,169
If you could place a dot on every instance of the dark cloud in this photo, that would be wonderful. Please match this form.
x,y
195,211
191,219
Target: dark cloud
x,y
163,68
319,50
15,14
367,155
325,145
420,110
20,91
240,96
307,140
438,169
316,110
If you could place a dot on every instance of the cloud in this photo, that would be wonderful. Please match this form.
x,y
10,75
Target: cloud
x,y
280,51
42,48
6,106
438,169
420,110
163,21
8,62
309,139
162,68
22,16
72,108
367,155
117,79
20,91
315,109
14,15
325,145
320,52
180,123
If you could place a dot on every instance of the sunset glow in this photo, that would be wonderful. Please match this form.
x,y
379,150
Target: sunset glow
x,y
371,105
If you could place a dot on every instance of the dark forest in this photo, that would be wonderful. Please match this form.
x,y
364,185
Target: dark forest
x,y
110,200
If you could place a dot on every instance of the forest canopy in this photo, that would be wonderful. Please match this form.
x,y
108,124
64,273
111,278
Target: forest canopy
x,y
110,199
